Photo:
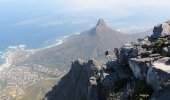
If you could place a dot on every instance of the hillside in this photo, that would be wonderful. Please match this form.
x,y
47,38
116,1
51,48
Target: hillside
x,y
30,68
88,44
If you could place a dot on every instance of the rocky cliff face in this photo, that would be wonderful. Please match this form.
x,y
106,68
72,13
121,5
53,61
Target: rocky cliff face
x,y
141,70
90,81
78,84
151,61
161,30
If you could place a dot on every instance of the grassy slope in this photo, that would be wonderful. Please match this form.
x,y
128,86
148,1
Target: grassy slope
x,y
37,91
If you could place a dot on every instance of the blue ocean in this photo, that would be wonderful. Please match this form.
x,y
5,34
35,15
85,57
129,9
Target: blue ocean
x,y
34,37
35,41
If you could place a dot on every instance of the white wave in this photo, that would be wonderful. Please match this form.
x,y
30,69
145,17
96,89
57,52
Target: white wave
x,y
7,63
12,47
77,33
17,47
58,41
22,46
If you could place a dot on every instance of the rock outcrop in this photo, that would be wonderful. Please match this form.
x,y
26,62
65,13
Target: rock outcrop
x,y
161,30
149,58
158,73
78,84
89,81
166,51
141,68
127,51
152,64
163,92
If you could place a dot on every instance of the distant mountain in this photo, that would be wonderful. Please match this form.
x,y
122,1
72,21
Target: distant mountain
x,y
135,33
89,44
133,30
141,34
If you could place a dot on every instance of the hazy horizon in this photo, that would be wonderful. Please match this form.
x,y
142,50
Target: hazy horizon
x,y
24,22
45,13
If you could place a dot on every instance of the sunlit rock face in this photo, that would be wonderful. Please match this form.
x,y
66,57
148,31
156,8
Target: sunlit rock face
x,y
161,30
159,72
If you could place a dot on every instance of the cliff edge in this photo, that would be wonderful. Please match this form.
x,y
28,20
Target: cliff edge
x,y
141,71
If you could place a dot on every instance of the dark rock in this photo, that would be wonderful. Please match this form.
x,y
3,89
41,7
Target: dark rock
x,y
140,67
78,84
161,30
163,93
156,77
116,51
112,65
158,72
126,52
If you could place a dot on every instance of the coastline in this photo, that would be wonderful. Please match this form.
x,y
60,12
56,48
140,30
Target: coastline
x,y
8,62
7,56
60,41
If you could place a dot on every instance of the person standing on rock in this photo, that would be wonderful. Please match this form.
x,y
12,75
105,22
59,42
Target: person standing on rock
x,y
108,55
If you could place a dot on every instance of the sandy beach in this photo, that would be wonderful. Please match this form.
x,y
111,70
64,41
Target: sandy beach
x,y
8,60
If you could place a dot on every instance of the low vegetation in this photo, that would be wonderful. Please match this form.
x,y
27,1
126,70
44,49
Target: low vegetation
x,y
157,45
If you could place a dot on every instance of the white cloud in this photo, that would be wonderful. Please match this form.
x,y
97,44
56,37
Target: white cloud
x,y
81,5
110,8
27,22
82,9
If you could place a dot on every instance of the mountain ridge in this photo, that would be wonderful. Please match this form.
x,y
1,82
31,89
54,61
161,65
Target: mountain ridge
x,y
140,68
88,44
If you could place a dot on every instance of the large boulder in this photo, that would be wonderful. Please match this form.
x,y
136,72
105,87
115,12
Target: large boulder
x,y
163,93
161,30
127,51
166,51
140,67
158,72
146,44
112,65
113,77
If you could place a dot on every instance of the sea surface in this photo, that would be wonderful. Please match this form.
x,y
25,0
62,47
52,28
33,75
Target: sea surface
x,y
34,43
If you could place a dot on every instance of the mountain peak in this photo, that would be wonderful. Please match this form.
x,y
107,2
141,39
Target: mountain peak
x,y
101,22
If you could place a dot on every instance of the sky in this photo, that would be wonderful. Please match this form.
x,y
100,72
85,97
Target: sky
x,y
41,14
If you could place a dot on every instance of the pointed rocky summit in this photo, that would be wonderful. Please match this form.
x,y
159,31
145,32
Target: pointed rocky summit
x,y
101,22
88,44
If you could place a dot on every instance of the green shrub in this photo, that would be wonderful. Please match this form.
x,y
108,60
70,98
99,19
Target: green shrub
x,y
157,45
96,73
